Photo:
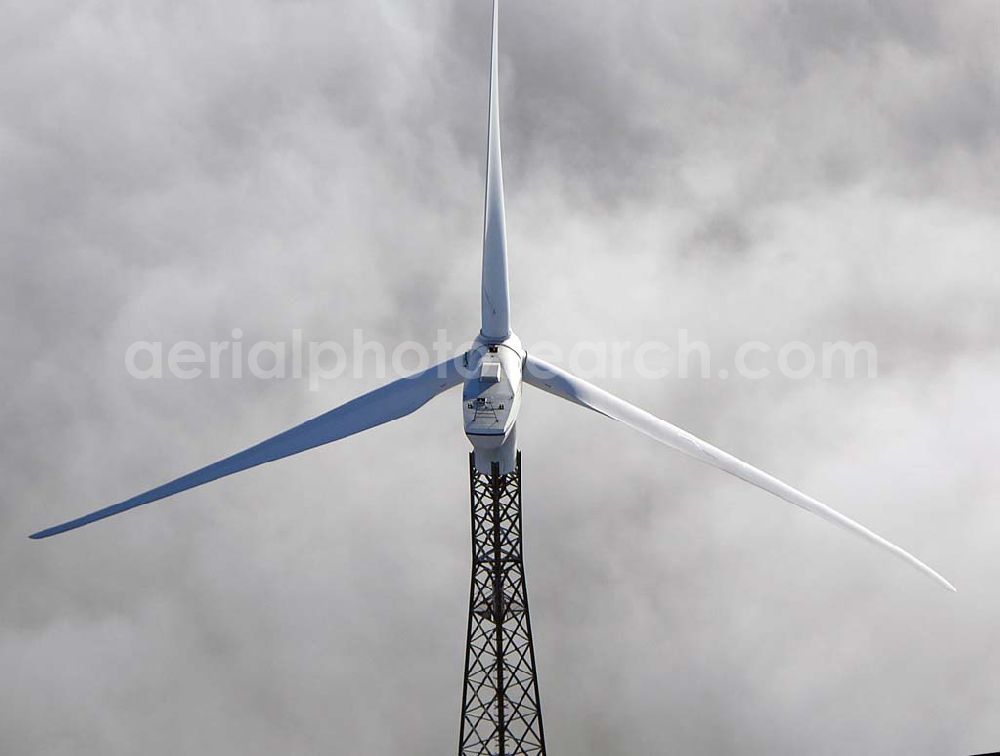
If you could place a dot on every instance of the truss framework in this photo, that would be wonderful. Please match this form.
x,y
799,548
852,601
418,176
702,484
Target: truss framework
x,y
501,712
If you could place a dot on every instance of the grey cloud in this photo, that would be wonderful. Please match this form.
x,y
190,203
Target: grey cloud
x,y
741,170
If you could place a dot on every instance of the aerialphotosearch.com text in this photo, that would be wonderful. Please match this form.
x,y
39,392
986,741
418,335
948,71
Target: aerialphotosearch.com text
x,y
318,362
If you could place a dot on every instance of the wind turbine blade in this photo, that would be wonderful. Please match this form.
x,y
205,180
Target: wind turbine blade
x,y
495,294
556,381
382,405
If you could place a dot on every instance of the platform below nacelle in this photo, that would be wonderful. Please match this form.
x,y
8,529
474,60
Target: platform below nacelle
x,y
498,448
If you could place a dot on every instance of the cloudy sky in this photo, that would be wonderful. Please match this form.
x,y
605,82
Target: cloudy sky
x,y
756,170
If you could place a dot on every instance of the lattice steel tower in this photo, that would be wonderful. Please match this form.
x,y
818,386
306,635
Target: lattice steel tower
x,y
501,711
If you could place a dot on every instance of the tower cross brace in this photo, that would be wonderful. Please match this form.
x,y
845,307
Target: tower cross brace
x,y
501,711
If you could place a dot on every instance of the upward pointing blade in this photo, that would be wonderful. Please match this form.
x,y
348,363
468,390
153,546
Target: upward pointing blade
x,y
496,298
556,381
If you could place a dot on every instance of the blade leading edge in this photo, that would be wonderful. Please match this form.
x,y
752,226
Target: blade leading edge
x,y
382,405
556,381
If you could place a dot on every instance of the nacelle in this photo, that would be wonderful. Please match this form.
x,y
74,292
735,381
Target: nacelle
x,y
491,399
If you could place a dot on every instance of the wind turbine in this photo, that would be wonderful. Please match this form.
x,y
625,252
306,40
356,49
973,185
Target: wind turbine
x,y
500,712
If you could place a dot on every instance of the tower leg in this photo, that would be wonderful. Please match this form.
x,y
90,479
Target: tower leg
x,y
501,712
